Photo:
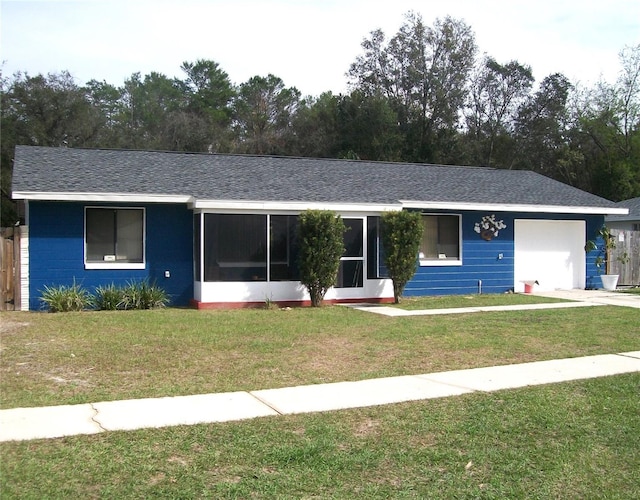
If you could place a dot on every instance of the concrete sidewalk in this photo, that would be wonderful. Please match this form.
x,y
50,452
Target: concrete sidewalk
x,y
18,424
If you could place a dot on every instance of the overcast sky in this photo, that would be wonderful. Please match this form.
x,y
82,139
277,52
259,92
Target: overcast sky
x,y
310,44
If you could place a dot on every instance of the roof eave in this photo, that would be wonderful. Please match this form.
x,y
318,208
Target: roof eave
x,y
101,197
297,206
304,205
508,207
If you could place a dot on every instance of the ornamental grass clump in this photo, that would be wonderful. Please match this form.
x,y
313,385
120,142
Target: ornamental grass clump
x,y
134,295
143,295
109,298
63,298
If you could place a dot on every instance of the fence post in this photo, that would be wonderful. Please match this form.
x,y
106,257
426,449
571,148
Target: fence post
x,y
7,269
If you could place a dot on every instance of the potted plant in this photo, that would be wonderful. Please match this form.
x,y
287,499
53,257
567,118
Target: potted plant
x,y
609,281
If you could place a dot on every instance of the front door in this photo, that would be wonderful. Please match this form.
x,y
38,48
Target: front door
x,y
350,272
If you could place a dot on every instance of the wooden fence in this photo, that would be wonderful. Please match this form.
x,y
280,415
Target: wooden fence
x,y
10,268
626,242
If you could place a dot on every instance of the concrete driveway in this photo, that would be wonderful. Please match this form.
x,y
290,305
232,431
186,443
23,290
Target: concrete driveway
x,y
603,297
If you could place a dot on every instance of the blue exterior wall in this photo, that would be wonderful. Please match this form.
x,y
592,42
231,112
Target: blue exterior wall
x,y
480,258
56,253
593,273
56,250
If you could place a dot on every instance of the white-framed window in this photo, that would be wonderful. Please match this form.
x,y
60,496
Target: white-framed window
x,y
114,238
441,243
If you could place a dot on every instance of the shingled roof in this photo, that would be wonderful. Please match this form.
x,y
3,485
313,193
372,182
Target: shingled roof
x,y
50,173
633,205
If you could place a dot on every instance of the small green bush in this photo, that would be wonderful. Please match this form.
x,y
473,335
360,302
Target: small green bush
x,y
63,298
143,295
109,298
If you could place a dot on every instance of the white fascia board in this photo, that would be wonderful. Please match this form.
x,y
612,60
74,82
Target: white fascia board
x,y
290,206
500,207
102,197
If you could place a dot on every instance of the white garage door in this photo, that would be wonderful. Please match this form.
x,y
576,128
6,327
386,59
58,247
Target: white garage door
x,y
550,252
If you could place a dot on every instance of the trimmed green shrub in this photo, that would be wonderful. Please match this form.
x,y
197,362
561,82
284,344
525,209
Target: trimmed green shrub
x,y
321,246
63,298
108,298
401,235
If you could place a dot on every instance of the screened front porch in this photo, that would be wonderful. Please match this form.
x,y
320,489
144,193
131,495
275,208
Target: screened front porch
x,y
251,258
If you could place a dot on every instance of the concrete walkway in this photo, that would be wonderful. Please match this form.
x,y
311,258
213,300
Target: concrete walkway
x,y
19,424
577,298
597,297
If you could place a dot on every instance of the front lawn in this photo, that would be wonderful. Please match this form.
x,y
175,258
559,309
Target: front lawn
x,y
66,358
571,440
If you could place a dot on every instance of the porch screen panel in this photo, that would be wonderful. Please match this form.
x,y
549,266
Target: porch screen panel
x,y
235,247
375,265
284,248
196,247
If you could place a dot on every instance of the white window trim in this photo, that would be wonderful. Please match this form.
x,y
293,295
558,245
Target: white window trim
x,y
444,262
117,265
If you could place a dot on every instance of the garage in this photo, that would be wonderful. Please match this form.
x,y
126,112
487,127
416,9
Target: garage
x,y
550,252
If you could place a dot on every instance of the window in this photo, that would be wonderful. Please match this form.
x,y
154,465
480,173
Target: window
x,y
114,238
235,247
440,243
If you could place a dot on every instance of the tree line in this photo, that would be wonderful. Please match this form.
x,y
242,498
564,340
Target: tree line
x,y
425,94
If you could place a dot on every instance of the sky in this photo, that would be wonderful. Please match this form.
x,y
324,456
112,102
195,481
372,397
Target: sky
x,y
309,44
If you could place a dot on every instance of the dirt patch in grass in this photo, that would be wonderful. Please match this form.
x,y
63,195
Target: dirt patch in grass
x,y
366,428
9,326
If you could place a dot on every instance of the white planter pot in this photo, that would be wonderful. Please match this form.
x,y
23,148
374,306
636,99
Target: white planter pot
x,y
609,281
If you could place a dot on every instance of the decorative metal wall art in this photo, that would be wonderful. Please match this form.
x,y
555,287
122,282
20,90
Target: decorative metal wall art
x,y
489,228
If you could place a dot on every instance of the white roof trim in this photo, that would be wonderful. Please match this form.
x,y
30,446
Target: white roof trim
x,y
297,206
302,205
497,207
103,197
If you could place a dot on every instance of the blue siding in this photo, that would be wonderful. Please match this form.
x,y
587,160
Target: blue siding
x,y
481,259
56,250
593,275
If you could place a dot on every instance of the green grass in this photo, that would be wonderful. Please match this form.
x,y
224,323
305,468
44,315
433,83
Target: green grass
x,y
473,300
630,290
572,440
68,358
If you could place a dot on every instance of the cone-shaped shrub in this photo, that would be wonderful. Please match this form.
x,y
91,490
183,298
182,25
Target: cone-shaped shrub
x,y
401,235
321,246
